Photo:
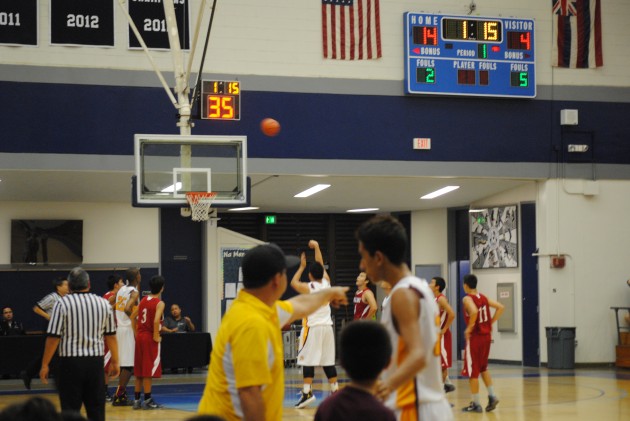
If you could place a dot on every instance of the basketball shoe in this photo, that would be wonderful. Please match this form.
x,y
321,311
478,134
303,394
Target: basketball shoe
x,y
492,403
151,404
473,407
448,388
305,400
122,400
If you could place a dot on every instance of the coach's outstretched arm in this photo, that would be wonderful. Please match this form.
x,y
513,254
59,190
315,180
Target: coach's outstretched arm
x,y
303,305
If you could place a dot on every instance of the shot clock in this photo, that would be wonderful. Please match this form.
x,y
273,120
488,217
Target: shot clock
x,y
220,100
464,55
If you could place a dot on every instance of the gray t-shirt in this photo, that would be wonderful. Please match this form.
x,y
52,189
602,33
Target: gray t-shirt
x,y
180,324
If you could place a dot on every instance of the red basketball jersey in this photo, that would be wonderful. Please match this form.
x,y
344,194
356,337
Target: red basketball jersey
x,y
361,309
442,312
147,361
108,294
483,324
146,314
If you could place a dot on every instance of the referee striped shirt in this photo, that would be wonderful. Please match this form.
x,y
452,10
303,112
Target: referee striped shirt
x,y
80,320
48,302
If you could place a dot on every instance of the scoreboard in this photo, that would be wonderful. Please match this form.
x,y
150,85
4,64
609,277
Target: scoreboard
x,y
464,55
220,100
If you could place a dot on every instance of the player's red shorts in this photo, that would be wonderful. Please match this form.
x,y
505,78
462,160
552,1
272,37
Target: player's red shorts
x,y
476,355
445,349
147,362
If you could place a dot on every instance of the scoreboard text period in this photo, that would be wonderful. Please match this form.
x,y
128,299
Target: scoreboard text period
x,y
220,100
464,55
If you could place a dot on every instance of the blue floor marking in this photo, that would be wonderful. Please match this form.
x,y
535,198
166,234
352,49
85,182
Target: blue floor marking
x,y
185,397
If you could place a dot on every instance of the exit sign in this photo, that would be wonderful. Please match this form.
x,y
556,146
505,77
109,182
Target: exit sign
x,y
270,219
422,143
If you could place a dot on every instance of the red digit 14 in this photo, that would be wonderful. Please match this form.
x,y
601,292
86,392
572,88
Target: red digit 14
x,y
429,33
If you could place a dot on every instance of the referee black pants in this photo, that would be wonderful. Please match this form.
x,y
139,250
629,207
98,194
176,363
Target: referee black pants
x,y
82,382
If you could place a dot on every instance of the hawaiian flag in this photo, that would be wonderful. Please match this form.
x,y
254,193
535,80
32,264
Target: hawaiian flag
x,y
351,29
577,29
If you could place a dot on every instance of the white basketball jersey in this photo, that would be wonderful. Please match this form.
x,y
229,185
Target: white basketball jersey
x,y
428,382
321,316
122,298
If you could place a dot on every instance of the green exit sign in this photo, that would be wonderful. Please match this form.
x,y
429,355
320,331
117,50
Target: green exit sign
x,y
270,219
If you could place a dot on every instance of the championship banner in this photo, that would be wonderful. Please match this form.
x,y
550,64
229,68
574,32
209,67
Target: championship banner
x,y
151,23
18,22
80,22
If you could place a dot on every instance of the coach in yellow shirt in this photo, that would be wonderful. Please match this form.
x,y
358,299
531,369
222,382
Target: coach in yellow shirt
x,y
246,374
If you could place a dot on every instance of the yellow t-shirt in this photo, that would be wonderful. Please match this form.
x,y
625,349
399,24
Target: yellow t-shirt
x,y
247,352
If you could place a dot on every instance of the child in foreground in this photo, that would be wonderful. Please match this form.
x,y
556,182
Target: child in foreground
x,y
365,352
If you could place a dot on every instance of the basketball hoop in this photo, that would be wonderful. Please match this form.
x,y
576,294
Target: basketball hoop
x,y
200,203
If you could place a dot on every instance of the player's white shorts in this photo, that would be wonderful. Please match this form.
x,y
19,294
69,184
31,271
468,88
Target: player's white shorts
x,y
317,346
126,345
439,410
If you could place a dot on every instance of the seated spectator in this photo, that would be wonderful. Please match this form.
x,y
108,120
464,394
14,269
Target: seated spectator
x,y
365,351
9,326
628,314
177,323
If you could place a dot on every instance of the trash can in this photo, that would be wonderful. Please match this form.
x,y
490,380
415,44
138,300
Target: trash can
x,y
560,347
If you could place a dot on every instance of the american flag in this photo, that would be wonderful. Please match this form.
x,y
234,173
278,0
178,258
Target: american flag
x,y
351,29
577,29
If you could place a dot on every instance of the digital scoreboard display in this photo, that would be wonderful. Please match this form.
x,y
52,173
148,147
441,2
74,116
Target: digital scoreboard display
x,y
220,100
464,55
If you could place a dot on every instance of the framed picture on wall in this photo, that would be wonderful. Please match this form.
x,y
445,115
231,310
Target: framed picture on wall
x,y
494,237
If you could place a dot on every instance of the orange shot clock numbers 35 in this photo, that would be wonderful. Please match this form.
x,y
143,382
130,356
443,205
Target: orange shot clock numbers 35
x,y
220,100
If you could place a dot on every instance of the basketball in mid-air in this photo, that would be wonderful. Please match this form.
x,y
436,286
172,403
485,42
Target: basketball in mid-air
x,y
270,127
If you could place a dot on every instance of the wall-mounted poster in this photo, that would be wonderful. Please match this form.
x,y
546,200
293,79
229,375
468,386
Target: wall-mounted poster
x,y
232,275
494,239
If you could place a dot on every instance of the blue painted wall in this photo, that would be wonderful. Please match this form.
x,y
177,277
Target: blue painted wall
x,y
85,119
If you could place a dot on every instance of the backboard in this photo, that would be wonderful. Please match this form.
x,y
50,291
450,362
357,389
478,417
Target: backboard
x,y
169,166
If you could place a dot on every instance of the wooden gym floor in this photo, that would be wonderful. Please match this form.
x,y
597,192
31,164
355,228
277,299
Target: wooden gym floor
x,y
524,393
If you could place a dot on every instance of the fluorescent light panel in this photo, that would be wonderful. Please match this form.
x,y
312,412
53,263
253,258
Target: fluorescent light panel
x,y
315,189
362,210
243,209
439,192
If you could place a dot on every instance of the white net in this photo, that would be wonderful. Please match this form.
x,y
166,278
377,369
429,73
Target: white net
x,y
200,203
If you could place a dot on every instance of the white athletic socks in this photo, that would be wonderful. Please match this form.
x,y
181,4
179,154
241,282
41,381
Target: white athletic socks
x,y
475,398
334,387
306,389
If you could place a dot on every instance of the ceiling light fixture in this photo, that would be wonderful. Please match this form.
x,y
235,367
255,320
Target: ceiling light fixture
x,y
315,189
243,209
439,192
476,210
362,210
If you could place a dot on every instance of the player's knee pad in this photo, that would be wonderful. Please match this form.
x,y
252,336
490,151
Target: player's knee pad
x,y
308,371
330,371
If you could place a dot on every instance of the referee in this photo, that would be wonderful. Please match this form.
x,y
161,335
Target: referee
x,y
78,324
